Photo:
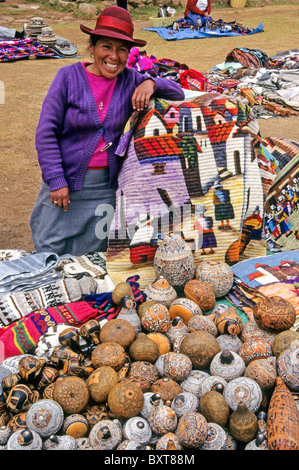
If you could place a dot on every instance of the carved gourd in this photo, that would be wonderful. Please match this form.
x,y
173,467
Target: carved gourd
x,y
283,419
243,423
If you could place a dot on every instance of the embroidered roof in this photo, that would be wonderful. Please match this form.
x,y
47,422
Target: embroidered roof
x,y
159,146
220,133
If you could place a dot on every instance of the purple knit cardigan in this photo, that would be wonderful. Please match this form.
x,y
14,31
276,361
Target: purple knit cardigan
x,y
69,127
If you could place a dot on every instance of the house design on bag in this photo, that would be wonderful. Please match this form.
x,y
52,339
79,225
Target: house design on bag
x,y
175,155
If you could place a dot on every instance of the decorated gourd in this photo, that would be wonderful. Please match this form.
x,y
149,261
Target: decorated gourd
x,y
229,322
105,435
125,400
184,308
168,441
100,382
5,433
24,439
156,318
212,383
161,291
137,429
282,419
263,371
193,382
274,314
283,341
70,337
218,273
128,312
228,365
192,430
174,260
166,388
288,367
72,394
231,342
243,423
200,347
75,425
252,330
243,389
45,417
255,348
216,438
151,399
64,442
202,323
162,419
144,370
184,402
110,354
30,368
90,331
202,293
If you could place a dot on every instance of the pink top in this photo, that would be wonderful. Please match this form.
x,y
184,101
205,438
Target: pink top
x,y
102,89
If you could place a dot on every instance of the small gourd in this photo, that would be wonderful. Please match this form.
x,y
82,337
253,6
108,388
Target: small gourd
x,y
144,349
243,423
119,331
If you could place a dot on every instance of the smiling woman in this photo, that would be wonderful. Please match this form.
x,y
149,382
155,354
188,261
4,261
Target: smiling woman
x,y
82,119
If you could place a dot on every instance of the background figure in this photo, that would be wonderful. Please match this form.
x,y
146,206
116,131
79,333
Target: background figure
x,y
223,207
122,4
197,12
204,227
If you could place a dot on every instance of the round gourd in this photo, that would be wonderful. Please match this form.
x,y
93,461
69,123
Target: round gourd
x,y
144,349
200,347
274,314
72,394
108,354
161,341
125,400
118,331
100,383
202,293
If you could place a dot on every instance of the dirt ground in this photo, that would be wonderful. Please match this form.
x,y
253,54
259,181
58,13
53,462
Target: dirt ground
x,y
26,83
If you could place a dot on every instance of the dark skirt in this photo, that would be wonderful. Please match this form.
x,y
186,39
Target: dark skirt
x,y
85,225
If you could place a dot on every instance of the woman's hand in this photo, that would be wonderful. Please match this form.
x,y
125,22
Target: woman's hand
x,y
142,94
61,198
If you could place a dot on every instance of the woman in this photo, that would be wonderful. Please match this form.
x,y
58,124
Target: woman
x,y
82,119
197,12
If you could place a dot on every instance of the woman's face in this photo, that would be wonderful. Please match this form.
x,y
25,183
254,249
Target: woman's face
x,y
110,57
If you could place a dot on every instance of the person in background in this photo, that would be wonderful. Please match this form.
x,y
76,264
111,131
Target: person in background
x,y
82,119
197,12
122,4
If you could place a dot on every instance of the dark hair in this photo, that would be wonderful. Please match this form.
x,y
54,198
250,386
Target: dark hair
x,y
93,39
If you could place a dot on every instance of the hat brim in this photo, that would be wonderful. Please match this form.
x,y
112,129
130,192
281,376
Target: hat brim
x,y
112,34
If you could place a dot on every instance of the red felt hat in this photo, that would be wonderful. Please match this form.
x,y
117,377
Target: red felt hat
x,y
115,22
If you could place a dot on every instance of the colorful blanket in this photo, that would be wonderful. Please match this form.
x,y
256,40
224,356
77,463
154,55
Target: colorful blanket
x,y
171,33
198,168
15,49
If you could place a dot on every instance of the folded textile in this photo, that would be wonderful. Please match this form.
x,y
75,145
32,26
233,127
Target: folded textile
x,y
28,273
22,336
19,304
